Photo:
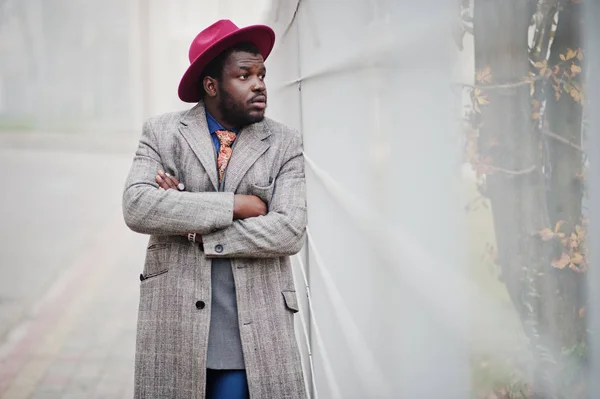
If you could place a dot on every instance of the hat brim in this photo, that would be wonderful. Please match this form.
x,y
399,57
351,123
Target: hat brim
x,y
261,36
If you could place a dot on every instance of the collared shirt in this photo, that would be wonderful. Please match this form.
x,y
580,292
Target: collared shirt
x,y
213,126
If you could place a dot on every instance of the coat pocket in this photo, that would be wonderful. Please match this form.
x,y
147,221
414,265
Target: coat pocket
x,y
157,261
291,301
147,276
264,193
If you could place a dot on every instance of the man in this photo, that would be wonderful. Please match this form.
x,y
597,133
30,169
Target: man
x,y
221,191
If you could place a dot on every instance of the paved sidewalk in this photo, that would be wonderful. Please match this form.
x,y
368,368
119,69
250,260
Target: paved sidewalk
x,y
80,341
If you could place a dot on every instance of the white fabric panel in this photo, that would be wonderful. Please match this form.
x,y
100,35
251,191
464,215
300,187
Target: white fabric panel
x,y
368,83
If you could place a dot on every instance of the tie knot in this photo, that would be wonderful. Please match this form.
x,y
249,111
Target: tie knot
x,y
226,137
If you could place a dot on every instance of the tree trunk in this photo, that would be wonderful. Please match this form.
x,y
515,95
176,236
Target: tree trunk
x,y
525,196
514,181
565,193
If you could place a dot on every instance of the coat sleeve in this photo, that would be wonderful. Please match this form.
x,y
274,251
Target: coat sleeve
x,y
281,231
148,210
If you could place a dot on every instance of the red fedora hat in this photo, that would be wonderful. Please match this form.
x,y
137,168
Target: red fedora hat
x,y
211,42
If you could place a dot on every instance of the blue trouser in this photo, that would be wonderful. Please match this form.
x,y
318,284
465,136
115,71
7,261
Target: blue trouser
x,y
226,384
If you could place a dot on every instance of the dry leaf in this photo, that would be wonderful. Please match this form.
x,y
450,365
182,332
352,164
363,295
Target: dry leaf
x,y
558,225
575,69
562,262
574,242
576,269
479,99
546,234
484,75
577,258
571,54
546,72
580,232
575,94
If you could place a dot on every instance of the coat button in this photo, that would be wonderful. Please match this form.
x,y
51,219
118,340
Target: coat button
x,y
218,248
200,304
142,277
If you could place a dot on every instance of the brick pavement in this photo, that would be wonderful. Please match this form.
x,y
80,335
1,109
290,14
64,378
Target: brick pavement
x,y
80,341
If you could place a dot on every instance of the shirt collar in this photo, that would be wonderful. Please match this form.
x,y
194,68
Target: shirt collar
x,y
213,125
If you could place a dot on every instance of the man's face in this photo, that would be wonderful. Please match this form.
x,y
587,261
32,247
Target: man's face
x,y
242,94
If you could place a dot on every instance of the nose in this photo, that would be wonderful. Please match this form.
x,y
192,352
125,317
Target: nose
x,y
259,85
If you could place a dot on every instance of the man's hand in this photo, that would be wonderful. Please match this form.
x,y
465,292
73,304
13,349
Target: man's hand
x,y
248,206
166,182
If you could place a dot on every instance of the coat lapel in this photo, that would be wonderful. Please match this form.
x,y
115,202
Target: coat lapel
x,y
250,145
195,131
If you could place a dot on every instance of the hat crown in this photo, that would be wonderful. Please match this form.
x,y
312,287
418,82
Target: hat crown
x,y
209,36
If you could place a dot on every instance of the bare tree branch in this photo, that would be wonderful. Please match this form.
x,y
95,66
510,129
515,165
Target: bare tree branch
x,y
511,85
562,140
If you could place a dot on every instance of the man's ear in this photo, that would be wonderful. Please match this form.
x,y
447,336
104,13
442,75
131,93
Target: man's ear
x,y
210,86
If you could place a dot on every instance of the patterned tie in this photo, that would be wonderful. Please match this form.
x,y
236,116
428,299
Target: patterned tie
x,y
226,138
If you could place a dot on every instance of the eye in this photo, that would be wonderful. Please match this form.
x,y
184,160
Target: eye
x,y
244,76
262,77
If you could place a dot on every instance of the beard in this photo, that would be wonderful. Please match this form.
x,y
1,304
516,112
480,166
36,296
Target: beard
x,y
234,112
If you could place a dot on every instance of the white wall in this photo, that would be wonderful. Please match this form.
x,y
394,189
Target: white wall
x,y
368,83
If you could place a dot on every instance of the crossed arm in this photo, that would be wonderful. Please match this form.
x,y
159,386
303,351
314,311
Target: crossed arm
x,y
244,206
229,225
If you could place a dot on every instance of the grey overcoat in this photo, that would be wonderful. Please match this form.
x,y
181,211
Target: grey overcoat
x,y
175,308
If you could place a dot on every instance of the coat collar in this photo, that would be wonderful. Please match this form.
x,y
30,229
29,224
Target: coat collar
x,y
250,145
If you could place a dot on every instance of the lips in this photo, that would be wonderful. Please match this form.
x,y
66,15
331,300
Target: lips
x,y
259,102
259,98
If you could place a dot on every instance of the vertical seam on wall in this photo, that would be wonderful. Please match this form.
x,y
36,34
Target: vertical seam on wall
x,y
296,21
